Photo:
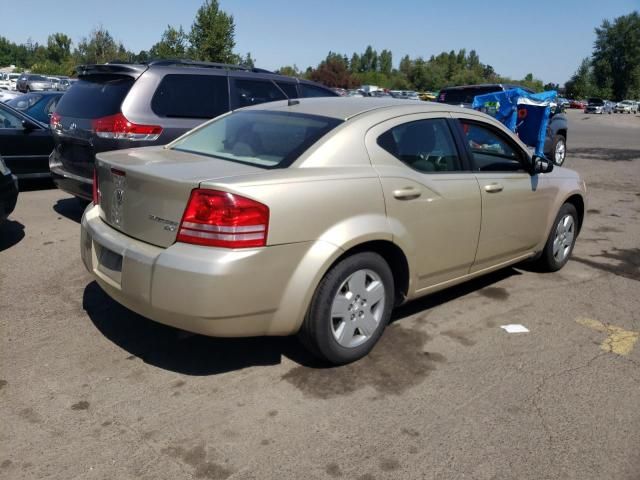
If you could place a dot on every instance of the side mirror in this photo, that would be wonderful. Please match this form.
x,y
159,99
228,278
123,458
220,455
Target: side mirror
x,y
541,165
28,126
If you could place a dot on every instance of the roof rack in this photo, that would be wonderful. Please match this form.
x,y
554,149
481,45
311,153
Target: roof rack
x,y
197,63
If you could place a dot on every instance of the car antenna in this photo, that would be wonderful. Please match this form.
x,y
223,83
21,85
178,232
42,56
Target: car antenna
x,y
293,102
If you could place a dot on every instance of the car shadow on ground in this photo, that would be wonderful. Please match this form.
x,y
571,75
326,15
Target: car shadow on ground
x,y
72,208
11,233
172,349
36,184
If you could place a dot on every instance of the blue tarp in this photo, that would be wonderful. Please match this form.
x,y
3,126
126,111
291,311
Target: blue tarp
x,y
526,114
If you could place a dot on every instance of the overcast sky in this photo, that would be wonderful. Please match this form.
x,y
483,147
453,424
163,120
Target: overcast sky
x,y
548,40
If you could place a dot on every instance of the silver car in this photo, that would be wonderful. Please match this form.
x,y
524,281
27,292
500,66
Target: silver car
x,y
33,83
318,216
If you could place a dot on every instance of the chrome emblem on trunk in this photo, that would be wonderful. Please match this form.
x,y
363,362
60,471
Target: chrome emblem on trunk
x,y
117,199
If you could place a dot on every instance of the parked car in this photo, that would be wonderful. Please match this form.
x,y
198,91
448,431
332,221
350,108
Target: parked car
x,y
25,144
118,106
8,191
33,83
598,105
39,105
626,106
577,104
5,84
230,229
555,144
404,94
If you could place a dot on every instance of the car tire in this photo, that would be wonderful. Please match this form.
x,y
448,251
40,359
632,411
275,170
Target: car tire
x,y
344,322
562,239
559,149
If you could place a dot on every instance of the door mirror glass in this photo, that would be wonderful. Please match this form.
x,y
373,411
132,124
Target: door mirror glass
x,y
541,165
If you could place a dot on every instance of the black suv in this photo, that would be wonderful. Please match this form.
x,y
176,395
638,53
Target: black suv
x,y
115,106
555,144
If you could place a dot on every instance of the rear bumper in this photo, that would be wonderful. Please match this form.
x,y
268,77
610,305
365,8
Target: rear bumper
x,y
71,183
212,291
8,195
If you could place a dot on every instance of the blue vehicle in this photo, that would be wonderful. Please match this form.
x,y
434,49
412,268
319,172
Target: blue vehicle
x,y
38,105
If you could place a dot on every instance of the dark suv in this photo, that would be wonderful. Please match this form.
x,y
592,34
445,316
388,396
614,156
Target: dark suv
x,y
555,144
115,106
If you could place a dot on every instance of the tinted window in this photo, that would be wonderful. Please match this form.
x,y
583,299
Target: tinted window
x,y
9,120
95,96
261,138
596,101
191,96
289,89
425,145
38,78
491,151
313,91
253,92
464,95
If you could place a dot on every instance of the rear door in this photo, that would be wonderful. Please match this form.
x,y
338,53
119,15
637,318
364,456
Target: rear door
x,y
514,203
430,193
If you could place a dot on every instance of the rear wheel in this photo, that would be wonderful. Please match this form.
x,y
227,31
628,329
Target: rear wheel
x,y
561,240
559,149
350,309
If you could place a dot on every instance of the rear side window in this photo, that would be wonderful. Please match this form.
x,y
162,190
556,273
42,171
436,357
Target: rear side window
x,y
313,91
253,92
425,145
191,96
289,89
95,96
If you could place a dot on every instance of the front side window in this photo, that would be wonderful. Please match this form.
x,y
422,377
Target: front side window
x,y
257,137
254,92
9,120
490,150
425,145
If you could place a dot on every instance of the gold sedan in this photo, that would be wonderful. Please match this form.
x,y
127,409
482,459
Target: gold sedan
x,y
316,217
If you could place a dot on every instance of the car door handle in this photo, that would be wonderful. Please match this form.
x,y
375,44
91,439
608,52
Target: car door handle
x,y
493,188
408,193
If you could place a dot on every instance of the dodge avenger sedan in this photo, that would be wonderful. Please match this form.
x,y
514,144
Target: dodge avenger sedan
x,y
317,216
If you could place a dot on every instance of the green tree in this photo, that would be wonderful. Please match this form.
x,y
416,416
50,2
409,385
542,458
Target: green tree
x,y
616,56
385,61
212,34
58,47
172,44
581,83
100,47
290,71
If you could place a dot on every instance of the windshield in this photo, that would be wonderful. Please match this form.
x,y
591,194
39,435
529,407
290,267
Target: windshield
x,y
456,96
260,138
596,101
95,96
24,102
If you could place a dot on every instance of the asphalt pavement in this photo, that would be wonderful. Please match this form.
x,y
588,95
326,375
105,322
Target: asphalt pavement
x,y
89,390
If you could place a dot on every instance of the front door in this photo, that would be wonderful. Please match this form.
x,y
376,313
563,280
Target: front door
x,y
514,203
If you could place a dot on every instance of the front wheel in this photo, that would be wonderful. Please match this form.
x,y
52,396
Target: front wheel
x,y
559,149
561,240
350,309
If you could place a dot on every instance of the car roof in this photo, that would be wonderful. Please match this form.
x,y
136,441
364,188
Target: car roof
x,y
344,108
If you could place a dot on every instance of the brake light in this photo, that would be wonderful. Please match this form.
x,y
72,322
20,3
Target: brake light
x,y
222,219
96,190
119,128
55,121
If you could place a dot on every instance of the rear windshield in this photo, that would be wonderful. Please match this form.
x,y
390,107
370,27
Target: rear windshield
x,y
38,78
24,102
259,138
464,95
596,101
95,96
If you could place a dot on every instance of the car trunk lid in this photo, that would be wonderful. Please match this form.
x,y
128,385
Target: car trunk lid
x,y
144,191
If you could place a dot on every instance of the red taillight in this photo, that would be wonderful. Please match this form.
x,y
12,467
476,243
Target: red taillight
x,y
96,191
221,219
118,127
55,121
